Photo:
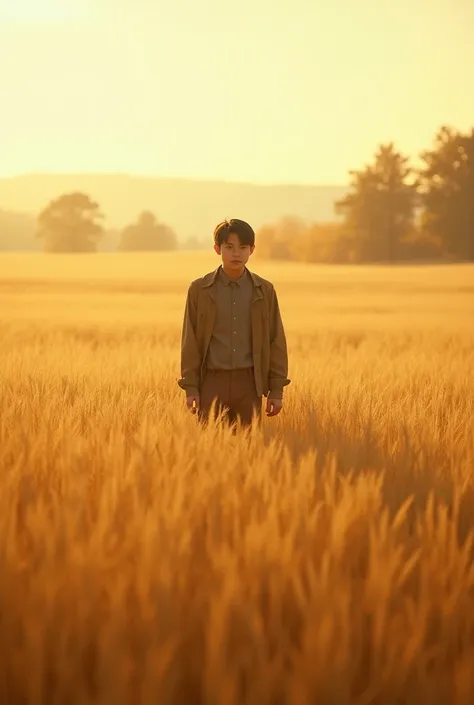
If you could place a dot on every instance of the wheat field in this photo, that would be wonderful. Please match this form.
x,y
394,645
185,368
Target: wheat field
x,y
325,558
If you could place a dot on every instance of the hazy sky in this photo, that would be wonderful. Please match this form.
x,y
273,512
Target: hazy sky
x,y
254,90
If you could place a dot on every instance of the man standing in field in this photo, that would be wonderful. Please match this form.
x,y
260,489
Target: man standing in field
x,y
233,345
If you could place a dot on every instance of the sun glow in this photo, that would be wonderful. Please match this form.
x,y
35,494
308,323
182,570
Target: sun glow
x,y
28,11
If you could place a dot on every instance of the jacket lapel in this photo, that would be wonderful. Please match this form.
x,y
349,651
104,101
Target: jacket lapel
x,y
256,318
211,307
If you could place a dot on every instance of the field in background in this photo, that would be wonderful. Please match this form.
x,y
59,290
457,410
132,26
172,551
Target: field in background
x,y
326,559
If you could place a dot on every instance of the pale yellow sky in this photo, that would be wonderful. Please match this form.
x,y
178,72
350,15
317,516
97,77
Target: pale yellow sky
x,y
250,90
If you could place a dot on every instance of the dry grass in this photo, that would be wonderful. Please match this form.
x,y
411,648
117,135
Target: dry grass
x,y
328,560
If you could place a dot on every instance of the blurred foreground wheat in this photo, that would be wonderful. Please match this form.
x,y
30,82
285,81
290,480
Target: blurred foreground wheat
x,y
326,559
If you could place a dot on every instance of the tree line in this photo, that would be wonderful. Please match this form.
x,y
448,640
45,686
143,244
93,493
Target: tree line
x,y
393,211
74,223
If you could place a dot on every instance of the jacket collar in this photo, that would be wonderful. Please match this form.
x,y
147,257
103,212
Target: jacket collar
x,y
209,279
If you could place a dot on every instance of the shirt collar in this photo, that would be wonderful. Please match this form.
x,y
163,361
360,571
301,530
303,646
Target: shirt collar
x,y
227,280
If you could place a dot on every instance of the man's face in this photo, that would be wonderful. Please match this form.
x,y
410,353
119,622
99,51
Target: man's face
x,y
234,255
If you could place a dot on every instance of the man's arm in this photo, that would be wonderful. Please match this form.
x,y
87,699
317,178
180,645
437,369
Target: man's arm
x,y
190,356
278,373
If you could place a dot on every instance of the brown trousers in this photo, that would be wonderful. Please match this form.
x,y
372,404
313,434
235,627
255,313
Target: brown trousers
x,y
235,394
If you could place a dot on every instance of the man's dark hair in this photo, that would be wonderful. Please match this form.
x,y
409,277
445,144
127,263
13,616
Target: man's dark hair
x,y
240,228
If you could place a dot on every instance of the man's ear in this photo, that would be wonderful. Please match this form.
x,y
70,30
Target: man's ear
x,y
252,249
217,249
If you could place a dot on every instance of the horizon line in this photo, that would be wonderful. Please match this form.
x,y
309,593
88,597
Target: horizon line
x,y
158,177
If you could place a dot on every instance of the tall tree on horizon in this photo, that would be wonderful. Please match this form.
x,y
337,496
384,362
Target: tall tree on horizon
x,y
379,210
147,234
447,192
71,223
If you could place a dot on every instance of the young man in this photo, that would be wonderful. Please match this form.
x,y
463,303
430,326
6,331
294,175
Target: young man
x,y
233,345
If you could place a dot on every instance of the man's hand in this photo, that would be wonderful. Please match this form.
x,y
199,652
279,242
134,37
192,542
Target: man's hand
x,y
274,406
192,403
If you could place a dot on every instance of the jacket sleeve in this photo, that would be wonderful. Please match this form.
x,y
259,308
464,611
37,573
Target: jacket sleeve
x,y
190,355
278,373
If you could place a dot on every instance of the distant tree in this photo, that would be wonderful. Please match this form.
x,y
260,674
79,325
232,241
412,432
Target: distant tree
x,y
420,245
379,211
447,192
70,224
279,240
147,234
294,240
323,242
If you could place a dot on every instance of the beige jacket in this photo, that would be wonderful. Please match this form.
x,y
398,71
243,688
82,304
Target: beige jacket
x,y
270,355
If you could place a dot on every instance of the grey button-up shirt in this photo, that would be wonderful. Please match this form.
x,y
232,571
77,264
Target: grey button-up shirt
x,y
231,343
